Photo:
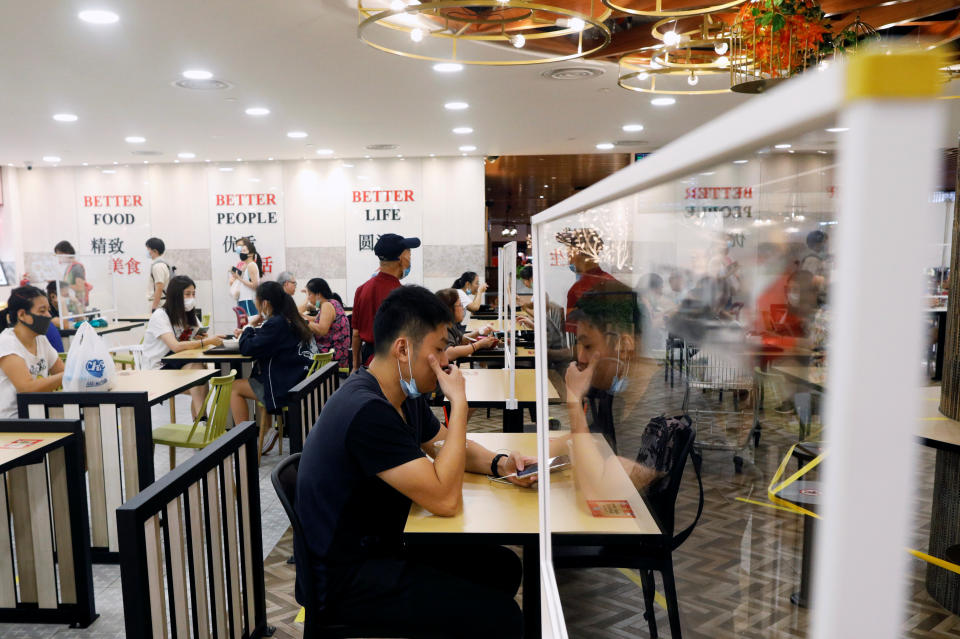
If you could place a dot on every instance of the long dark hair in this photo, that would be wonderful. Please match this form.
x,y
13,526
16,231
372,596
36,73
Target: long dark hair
x,y
462,281
319,286
173,305
21,299
252,250
284,306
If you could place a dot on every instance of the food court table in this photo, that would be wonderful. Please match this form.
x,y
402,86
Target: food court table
x,y
494,356
495,513
112,327
118,439
136,317
41,492
488,388
476,324
225,361
943,434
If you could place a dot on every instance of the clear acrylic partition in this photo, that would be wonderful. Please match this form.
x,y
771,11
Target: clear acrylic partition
x,y
709,295
84,284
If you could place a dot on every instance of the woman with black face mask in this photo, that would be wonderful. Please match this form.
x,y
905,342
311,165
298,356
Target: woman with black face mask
x,y
28,363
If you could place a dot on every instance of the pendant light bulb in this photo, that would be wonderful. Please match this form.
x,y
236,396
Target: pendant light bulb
x,y
416,35
721,47
723,62
693,80
518,40
398,5
670,38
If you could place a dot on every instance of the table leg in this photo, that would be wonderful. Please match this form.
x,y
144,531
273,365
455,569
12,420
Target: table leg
x,y
531,591
802,598
941,345
943,585
513,420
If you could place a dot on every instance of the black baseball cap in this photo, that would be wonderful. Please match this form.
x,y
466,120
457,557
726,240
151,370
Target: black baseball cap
x,y
390,245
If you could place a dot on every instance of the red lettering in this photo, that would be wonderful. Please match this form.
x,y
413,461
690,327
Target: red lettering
x,y
748,192
87,200
702,193
397,196
357,196
726,192
220,200
408,196
271,199
366,196
137,201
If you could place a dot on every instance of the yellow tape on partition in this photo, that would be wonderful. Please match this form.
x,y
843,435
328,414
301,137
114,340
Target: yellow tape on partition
x,y
894,74
774,489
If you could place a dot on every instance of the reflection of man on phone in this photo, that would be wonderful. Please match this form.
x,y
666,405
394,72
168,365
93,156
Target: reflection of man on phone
x,y
369,456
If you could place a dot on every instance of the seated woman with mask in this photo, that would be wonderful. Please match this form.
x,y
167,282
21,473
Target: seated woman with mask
x,y
460,344
28,363
172,329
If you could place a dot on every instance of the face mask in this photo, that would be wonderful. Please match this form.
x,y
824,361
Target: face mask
x,y
243,256
793,299
409,387
40,324
238,249
406,272
189,303
619,384
573,269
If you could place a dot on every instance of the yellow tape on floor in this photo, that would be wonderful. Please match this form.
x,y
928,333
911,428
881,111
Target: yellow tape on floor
x,y
300,616
635,578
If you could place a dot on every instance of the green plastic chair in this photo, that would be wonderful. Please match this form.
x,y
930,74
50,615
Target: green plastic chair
x,y
198,435
319,361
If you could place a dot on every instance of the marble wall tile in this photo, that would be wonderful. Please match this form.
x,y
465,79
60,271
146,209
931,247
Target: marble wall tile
x,y
449,261
328,262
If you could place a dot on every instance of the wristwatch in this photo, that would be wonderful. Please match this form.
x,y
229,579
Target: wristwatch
x,y
496,461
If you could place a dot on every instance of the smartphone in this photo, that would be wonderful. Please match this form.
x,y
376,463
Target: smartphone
x,y
236,271
556,463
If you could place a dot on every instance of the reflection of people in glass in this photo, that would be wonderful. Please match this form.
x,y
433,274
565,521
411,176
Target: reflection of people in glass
x,y
75,274
584,246
610,376
558,352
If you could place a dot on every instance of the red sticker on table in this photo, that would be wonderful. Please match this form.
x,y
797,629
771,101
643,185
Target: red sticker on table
x,y
21,443
610,508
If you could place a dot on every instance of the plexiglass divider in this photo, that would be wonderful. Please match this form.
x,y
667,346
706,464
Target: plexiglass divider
x,y
696,286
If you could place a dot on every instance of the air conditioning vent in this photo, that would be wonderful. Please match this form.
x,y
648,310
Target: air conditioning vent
x,y
202,85
573,73
382,147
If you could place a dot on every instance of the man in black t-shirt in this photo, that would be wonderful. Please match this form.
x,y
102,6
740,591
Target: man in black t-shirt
x,y
363,463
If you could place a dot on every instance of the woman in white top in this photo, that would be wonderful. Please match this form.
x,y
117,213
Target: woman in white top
x,y
28,363
172,328
245,276
471,292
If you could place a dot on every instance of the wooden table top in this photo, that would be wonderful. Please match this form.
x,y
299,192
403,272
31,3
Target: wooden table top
x,y
936,429
161,384
473,324
145,317
489,353
489,386
492,508
29,444
198,355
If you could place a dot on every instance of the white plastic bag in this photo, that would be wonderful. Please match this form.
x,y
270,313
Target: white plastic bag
x,y
89,365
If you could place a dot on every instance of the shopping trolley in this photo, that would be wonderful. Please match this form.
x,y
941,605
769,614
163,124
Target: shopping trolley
x,y
721,368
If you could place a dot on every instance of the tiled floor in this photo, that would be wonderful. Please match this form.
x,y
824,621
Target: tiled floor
x,y
735,573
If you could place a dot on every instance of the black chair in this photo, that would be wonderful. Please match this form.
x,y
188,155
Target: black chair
x,y
654,556
284,478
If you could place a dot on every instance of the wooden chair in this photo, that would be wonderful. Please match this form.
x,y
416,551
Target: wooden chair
x,y
198,435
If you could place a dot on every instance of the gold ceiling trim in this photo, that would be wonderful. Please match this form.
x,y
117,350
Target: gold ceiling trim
x,y
672,13
633,70
526,26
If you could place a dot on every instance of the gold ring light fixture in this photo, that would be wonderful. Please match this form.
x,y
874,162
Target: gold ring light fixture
x,y
461,31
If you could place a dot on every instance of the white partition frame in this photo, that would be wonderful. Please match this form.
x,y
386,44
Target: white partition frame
x,y
887,163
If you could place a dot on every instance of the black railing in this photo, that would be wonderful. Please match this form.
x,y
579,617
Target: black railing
x,y
44,535
118,443
191,553
305,401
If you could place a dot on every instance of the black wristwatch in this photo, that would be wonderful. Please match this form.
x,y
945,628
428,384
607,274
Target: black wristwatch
x,y
495,462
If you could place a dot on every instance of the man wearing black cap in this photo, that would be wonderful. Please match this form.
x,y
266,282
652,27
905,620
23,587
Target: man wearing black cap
x,y
394,253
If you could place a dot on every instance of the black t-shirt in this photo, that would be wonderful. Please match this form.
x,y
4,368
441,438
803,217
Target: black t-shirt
x,y
347,512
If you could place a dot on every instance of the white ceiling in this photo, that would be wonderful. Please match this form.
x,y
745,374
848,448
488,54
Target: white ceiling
x,y
302,59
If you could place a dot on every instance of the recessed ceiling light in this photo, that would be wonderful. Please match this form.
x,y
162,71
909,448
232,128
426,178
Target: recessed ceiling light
x,y
176,161
186,155
468,147
226,168
791,151
456,106
109,171
740,161
65,117
462,130
269,159
197,74
605,146
135,139
708,173
632,128
838,129
433,155
296,134
51,158
663,101
541,197
464,154
146,161
207,160
367,157
239,159
98,16
347,166
85,163
782,146
324,151
258,111
447,67
822,152
115,163
399,155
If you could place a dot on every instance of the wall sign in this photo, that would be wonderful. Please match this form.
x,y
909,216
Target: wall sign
x,y
244,202
393,207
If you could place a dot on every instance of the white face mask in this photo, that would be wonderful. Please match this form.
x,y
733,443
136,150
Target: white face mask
x,y
189,303
793,299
